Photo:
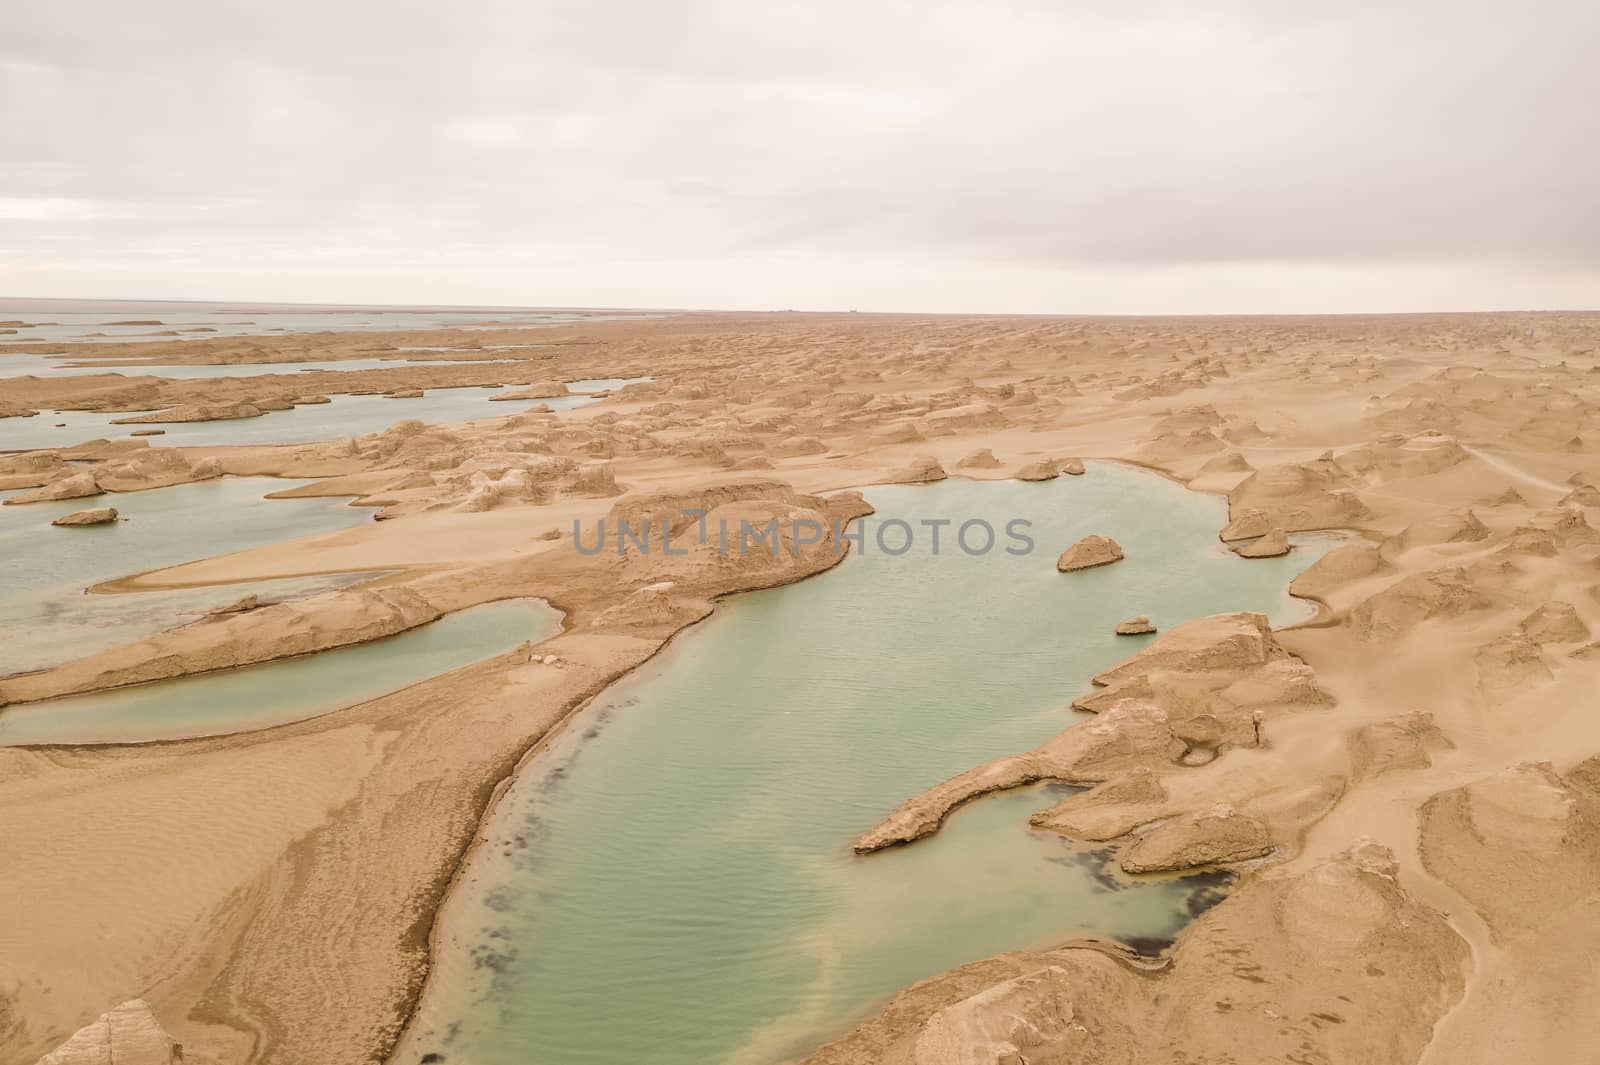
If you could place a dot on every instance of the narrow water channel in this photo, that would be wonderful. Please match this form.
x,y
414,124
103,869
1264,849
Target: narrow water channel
x,y
238,700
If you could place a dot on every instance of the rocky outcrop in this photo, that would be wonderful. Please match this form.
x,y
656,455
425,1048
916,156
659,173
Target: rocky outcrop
x,y
72,486
155,468
981,459
31,469
1555,622
126,1035
541,390
920,470
1397,610
1338,568
1135,626
1273,545
1042,470
1401,744
94,516
1212,836
1088,553
195,412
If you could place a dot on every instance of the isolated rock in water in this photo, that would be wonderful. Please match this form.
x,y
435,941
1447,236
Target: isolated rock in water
x,y
128,1035
1043,470
1137,626
981,459
542,390
1073,467
95,516
148,432
1089,552
921,470
196,412
77,486
1216,835
1273,545
1555,622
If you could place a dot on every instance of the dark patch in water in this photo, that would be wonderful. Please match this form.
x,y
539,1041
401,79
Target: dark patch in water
x,y
1101,866
496,961
1206,890
1147,946
500,900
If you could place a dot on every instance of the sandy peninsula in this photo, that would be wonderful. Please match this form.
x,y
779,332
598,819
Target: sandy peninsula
x,y
1408,785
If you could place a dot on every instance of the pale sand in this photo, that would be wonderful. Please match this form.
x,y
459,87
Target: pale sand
x,y
270,895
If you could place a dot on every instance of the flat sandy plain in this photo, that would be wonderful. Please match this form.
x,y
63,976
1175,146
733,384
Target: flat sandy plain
x,y
1409,784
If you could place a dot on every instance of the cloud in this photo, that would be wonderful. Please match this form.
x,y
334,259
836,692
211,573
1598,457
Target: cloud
x,y
630,145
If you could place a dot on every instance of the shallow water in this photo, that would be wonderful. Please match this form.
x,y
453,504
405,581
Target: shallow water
x,y
343,416
46,613
671,883
279,692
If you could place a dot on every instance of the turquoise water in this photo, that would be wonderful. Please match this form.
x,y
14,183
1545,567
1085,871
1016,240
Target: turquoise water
x,y
46,613
279,692
342,416
671,882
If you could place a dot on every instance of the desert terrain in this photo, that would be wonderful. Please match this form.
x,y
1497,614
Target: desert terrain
x,y
1408,785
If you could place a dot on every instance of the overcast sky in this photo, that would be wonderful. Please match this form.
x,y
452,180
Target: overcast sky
x,y
931,155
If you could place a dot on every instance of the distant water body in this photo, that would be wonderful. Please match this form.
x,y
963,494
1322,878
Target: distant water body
x,y
671,882
90,321
343,415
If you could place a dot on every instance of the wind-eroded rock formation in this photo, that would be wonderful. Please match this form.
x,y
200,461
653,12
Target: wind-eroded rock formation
x,y
1088,553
